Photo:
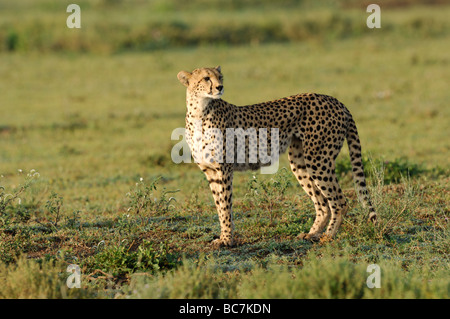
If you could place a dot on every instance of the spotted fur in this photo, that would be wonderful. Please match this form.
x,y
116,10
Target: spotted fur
x,y
311,126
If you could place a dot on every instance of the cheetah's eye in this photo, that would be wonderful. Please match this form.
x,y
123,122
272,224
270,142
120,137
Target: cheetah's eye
x,y
206,78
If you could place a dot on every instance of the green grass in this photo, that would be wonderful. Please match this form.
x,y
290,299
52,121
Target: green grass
x,y
322,276
86,175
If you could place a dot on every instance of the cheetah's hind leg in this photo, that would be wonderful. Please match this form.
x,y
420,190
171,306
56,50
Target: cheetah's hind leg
x,y
321,206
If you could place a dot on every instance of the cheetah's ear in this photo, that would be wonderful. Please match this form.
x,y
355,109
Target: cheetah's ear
x,y
218,69
184,77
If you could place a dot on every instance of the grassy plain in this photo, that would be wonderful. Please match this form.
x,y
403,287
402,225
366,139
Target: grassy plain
x,y
93,119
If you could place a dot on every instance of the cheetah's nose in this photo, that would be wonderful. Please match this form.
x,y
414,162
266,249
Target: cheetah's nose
x,y
219,88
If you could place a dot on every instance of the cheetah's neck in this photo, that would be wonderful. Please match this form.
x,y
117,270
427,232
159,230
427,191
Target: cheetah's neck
x,y
199,107
196,106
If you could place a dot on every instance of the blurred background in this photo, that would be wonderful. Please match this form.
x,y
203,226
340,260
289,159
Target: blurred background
x,y
92,109
117,26
114,26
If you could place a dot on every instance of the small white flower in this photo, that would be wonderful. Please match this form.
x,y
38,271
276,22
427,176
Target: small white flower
x,y
141,179
20,171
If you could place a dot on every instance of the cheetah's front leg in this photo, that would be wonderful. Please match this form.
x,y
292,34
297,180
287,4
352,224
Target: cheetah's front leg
x,y
220,182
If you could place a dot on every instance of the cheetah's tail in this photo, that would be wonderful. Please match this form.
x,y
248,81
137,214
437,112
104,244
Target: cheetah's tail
x,y
354,147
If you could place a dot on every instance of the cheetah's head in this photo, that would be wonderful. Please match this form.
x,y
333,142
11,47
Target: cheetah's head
x,y
204,82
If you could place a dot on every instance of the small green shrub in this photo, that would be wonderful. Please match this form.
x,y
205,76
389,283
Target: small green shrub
x,y
7,199
12,41
270,194
121,260
393,170
142,198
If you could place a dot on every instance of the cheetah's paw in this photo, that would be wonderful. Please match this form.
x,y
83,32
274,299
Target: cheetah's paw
x,y
218,243
310,237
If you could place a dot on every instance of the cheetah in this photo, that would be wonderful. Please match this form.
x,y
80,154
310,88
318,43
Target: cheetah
x,y
313,127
